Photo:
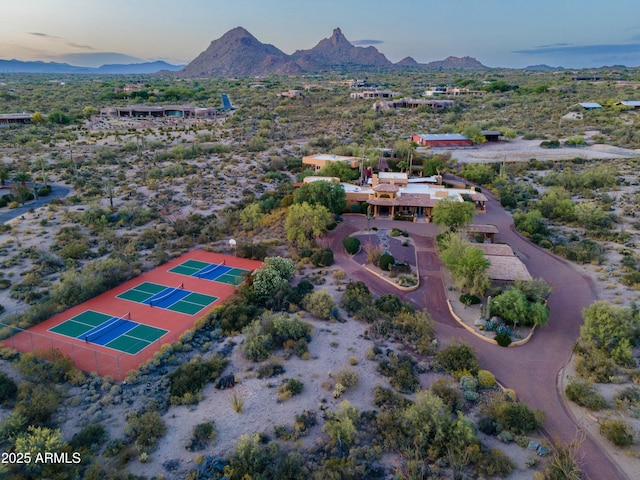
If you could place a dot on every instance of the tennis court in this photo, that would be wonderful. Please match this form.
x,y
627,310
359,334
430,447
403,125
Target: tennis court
x,y
117,333
176,299
217,272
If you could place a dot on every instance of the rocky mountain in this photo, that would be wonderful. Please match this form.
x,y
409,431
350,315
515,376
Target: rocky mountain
x,y
408,62
238,53
542,67
18,66
337,51
455,63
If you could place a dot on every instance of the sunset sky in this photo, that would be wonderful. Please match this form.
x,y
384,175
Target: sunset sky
x,y
499,33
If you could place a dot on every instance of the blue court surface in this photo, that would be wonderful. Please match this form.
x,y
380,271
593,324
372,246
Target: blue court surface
x,y
211,271
108,331
176,299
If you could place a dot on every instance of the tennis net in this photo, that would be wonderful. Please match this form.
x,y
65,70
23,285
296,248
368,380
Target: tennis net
x,y
155,300
108,326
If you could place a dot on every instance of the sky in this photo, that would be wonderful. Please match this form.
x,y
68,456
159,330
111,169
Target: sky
x,y
499,33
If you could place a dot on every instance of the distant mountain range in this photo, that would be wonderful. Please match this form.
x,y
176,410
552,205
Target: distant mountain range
x,y
18,66
238,53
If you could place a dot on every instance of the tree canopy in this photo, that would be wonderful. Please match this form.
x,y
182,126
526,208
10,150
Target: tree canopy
x,y
305,223
452,214
328,194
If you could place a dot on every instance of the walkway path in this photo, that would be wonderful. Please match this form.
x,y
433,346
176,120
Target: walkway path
x,y
533,369
57,191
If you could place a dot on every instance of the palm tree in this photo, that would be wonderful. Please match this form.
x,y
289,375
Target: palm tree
x,y
22,177
4,176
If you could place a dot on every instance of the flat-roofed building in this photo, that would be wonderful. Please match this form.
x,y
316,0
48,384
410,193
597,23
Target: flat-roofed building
x,y
441,140
159,111
15,118
321,160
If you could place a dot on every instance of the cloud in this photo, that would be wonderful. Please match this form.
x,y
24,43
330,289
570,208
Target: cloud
x,y
604,49
44,35
58,39
366,42
552,45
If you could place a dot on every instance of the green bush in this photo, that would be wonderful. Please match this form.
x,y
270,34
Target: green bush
x,y
468,299
581,392
189,378
90,437
145,428
289,388
458,357
356,296
401,371
503,339
516,417
322,257
351,245
617,432
8,388
201,435
273,331
386,261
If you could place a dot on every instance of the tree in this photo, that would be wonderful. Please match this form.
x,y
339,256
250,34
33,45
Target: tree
x,y
474,132
251,216
611,329
38,440
38,119
321,304
341,170
356,296
452,214
480,173
305,223
4,176
22,177
467,264
329,194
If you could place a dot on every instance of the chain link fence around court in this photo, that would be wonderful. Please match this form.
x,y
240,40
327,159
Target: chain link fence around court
x,y
85,357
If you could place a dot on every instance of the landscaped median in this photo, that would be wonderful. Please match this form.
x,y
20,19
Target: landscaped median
x,y
390,255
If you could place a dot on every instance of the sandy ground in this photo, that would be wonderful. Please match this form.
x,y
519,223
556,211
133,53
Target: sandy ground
x,y
524,150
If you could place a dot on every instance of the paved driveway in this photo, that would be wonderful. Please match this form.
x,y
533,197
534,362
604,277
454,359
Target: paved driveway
x,y
57,191
533,369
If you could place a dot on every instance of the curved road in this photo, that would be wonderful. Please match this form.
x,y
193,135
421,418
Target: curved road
x,y
532,369
57,191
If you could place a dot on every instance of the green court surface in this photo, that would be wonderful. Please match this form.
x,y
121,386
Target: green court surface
x,y
192,303
234,277
80,324
189,304
135,340
131,342
142,292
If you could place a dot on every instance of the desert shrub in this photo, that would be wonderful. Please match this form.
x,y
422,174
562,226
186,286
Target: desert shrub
x,y
516,417
391,305
322,257
189,378
628,396
347,377
386,261
351,245
387,399
490,463
255,251
631,279
47,366
487,426
270,369
36,402
201,435
583,393
356,296
458,357
503,339
273,331
321,305
468,299
594,365
145,428
374,252
8,388
449,393
90,437
289,388
617,432
486,379
401,370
